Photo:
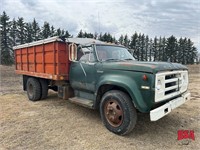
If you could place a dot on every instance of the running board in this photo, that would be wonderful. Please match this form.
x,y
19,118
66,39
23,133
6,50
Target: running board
x,y
82,102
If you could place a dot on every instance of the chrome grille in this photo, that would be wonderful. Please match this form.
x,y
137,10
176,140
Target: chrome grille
x,y
170,84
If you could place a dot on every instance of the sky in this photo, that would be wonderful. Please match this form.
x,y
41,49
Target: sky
x,y
180,18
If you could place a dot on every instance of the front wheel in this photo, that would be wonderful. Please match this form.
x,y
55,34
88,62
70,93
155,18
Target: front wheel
x,y
117,112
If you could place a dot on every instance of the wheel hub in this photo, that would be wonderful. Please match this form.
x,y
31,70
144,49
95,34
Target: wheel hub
x,y
113,113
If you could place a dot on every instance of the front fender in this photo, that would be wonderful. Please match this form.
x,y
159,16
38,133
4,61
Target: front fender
x,y
128,84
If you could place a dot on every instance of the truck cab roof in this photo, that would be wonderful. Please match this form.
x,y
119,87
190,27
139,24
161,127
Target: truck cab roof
x,y
83,41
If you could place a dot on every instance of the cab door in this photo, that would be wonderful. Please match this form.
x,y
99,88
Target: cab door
x,y
83,71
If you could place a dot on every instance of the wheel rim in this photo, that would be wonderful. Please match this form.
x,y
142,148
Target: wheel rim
x,y
30,90
113,113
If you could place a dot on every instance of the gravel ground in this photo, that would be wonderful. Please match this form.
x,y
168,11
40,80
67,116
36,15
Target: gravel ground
x,y
58,124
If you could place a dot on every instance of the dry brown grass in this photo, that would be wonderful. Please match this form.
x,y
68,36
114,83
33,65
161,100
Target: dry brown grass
x,y
194,69
57,124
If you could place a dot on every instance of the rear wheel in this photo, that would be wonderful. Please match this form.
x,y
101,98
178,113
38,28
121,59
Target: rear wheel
x,y
33,89
117,112
44,88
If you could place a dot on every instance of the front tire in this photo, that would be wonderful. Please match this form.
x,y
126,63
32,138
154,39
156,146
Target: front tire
x,y
117,112
33,89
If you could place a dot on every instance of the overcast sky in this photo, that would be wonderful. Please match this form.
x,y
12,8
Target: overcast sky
x,y
152,17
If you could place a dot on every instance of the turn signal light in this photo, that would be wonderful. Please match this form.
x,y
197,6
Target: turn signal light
x,y
145,78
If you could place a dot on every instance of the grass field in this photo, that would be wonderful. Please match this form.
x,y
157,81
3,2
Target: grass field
x,y
58,124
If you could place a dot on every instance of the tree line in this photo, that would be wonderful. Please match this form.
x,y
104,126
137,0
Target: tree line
x,y
142,47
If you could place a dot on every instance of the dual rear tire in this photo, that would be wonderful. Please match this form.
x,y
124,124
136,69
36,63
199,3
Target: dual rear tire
x,y
36,89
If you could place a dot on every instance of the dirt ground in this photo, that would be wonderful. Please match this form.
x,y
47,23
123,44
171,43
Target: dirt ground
x,y
58,124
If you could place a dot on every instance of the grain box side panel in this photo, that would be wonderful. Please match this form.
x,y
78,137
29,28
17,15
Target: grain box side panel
x,y
31,59
24,59
49,60
63,59
38,58
18,59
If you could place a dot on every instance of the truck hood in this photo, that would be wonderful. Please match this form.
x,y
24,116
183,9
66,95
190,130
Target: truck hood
x,y
149,67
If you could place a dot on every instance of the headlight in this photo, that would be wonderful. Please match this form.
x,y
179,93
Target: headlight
x,y
159,84
184,77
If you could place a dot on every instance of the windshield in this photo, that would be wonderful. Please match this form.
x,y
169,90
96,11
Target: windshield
x,y
116,53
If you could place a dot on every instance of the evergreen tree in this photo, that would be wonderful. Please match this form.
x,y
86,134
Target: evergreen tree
x,y
138,47
114,40
105,37
121,39
67,34
194,56
46,32
160,48
100,37
84,35
52,32
171,49
150,49
188,50
95,35
80,34
155,49
146,47
191,52
126,41
181,50
21,30
6,42
142,47
184,52
13,32
109,38
87,35
58,32
187,53
133,41
36,30
90,35
164,58
29,32
62,32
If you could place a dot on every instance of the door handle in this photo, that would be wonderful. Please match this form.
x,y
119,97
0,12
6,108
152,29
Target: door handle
x,y
90,63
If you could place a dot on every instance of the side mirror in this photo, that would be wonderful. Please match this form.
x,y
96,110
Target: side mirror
x,y
72,52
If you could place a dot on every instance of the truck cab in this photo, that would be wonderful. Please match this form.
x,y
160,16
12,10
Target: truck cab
x,y
107,77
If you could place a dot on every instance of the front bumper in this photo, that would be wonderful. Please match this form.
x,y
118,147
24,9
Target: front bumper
x,y
165,109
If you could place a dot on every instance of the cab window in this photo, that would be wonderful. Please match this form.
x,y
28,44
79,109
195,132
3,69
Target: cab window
x,y
85,54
